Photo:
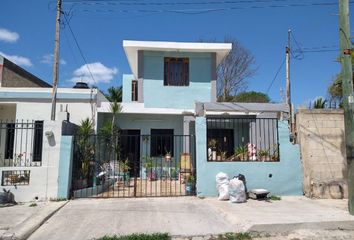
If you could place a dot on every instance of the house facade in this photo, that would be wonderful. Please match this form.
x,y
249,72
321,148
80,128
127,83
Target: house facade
x,y
169,108
31,145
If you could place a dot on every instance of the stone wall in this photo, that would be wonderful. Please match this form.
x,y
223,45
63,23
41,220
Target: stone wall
x,y
320,133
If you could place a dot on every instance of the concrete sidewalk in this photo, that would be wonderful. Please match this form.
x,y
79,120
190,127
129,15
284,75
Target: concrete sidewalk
x,y
20,221
190,216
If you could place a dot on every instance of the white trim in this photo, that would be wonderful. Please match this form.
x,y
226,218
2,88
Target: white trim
x,y
231,113
139,108
131,49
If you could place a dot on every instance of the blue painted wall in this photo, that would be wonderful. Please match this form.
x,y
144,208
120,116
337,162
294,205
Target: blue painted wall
x,y
287,175
65,166
127,87
182,97
146,122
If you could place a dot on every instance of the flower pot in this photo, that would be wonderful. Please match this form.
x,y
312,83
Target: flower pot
x,y
168,157
190,187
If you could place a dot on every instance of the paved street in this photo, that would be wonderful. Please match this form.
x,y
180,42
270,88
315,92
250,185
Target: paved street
x,y
190,216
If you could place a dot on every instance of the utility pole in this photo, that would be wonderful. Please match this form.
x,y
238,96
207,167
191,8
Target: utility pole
x,y
288,87
56,62
347,85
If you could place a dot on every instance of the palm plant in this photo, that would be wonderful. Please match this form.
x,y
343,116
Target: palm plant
x,y
319,103
115,109
114,94
86,148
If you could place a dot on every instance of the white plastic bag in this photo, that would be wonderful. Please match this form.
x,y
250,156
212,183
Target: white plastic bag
x,y
237,191
222,185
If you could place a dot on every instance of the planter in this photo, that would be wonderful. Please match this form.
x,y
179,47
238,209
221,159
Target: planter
x,y
213,154
126,178
190,187
168,157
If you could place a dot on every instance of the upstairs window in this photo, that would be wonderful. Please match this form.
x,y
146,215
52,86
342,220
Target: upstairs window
x,y
134,90
176,71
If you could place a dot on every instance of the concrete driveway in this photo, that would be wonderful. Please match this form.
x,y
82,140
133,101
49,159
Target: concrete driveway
x,y
190,216
89,218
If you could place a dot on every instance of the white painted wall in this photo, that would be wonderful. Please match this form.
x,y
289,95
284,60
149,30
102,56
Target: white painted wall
x,y
44,179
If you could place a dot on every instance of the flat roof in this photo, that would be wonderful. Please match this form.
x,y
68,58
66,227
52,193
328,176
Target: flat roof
x,y
245,107
24,94
131,49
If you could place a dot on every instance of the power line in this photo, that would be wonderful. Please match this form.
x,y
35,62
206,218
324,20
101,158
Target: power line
x,y
78,46
276,75
204,10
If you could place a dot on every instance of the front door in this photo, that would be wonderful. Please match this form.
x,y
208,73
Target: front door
x,y
130,150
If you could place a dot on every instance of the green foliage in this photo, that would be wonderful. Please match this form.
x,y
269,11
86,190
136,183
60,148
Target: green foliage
x,y
85,148
33,205
241,152
190,179
251,97
275,198
114,94
154,236
234,236
86,128
335,89
319,103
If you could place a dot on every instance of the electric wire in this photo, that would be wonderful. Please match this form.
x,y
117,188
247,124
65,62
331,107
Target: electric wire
x,y
275,76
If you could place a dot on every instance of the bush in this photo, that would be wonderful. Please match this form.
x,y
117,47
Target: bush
x,y
154,236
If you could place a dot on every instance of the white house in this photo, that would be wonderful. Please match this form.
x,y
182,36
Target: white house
x,y
30,143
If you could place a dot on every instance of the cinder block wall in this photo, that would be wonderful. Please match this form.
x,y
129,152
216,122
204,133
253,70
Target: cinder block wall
x,y
320,133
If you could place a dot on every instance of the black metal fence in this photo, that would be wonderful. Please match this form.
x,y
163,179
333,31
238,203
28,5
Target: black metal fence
x,y
242,139
21,143
133,165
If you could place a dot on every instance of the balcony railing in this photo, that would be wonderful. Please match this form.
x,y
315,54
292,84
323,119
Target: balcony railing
x,y
21,143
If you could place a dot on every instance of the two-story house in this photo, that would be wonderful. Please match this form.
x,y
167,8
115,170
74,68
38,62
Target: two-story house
x,y
173,130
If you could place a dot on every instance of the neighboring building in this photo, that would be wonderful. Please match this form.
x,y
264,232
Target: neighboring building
x,y
320,133
11,75
31,145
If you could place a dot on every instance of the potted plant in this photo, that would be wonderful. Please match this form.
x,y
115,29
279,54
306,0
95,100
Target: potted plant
x,y
190,184
223,155
212,149
124,167
241,153
263,155
148,165
174,174
168,156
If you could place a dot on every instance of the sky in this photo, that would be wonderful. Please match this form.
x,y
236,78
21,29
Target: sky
x,y
27,29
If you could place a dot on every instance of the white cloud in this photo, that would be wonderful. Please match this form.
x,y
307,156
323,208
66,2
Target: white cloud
x,y
48,59
19,60
8,36
99,72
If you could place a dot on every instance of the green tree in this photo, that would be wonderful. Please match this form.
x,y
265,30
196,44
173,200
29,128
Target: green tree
x,y
249,97
335,89
114,94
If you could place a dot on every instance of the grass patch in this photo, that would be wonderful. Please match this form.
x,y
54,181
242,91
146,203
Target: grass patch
x,y
57,199
154,236
275,198
233,236
33,205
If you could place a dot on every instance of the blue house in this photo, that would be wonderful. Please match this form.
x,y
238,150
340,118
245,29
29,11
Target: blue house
x,y
175,136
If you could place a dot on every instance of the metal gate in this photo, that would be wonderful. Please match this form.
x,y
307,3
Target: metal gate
x,y
128,164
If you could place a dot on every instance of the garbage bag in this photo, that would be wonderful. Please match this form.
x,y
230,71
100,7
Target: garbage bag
x,y
237,191
222,185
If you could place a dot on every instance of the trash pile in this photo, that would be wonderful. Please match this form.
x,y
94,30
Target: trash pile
x,y
233,190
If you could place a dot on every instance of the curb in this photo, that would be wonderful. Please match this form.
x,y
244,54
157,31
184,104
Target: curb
x,y
289,227
30,225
